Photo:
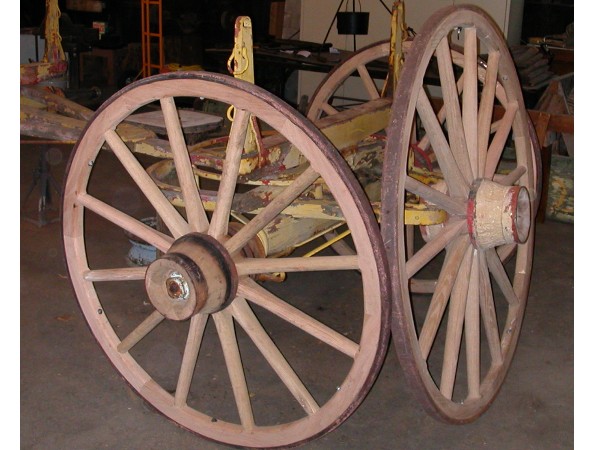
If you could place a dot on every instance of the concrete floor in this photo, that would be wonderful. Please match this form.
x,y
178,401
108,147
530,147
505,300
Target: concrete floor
x,y
72,398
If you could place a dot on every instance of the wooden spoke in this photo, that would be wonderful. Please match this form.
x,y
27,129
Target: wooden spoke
x,y
512,177
269,212
441,114
140,332
456,317
488,312
368,82
320,103
224,323
497,270
260,296
439,300
469,96
420,286
231,167
472,331
454,120
486,109
190,356
433,247
251,266
506,251
409,230
167,212
134,226
498,143
481,71
457,184
120,274
248,321
450,204
328,109
191,196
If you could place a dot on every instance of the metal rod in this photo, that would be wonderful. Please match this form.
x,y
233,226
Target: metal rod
x,y
385,6
331,24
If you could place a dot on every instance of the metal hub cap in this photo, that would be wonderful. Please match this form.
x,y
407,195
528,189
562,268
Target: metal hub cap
x,y
177,287
196,275
497,214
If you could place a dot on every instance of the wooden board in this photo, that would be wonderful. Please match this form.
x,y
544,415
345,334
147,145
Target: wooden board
x,y
192,122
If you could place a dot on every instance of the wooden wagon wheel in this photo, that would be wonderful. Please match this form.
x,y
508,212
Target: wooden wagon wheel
x,y
481,279
320,103
192,332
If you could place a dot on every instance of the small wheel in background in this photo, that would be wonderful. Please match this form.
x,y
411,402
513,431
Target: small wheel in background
x,y
357,75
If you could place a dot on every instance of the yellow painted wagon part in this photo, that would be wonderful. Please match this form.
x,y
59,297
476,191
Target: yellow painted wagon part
x,y
50,116
417,214
36,95
327,244
210,154
33,73
421,214
29,102
54,63
251,202
413,215
276,236
132,134
40,123
351,126
241,65
561,205
426,176
241,62
347,130
398,36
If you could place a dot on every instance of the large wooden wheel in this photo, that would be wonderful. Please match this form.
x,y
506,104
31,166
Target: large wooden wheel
x,y
356,66
457,336
221,354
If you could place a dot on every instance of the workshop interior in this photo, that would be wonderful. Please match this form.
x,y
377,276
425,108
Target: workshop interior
x,y
296,223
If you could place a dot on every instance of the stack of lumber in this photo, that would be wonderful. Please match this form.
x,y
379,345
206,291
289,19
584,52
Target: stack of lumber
x,y
533,66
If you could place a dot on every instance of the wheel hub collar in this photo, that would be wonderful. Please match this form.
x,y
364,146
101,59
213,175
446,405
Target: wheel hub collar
x,y
498,214
196,275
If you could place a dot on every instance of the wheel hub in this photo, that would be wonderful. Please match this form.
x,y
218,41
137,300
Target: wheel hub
x,y
196,275
497,214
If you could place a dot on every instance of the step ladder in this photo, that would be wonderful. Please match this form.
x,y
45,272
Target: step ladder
x,y
152,36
